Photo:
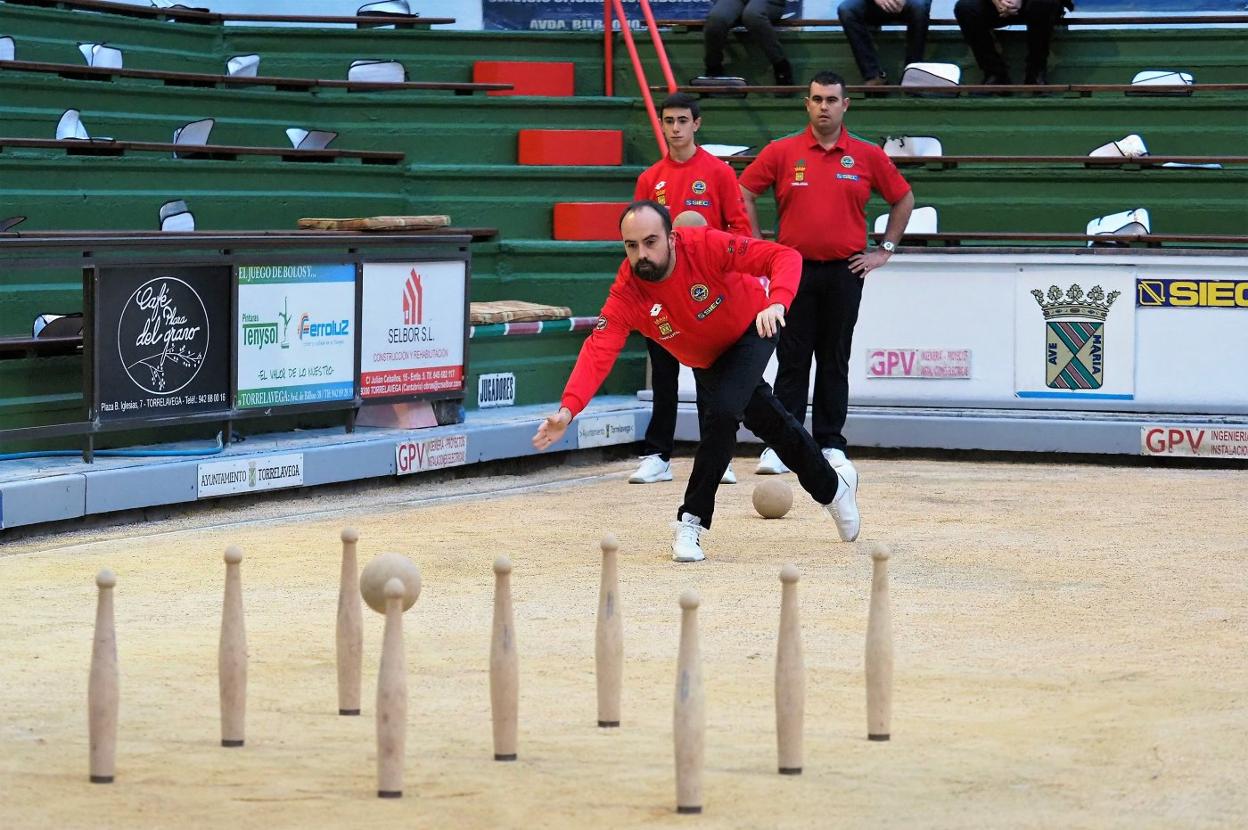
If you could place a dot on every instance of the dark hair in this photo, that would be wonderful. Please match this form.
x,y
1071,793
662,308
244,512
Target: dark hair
x,y
681,101
653,205
827,77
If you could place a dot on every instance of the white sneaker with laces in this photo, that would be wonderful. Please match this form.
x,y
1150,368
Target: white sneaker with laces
x,y
836,458
769,464
844,508
729,476
686,547
652,468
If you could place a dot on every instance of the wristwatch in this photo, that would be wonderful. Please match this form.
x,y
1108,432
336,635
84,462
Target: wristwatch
x,y
888,246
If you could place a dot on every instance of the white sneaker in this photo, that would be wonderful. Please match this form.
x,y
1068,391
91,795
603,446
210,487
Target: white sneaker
x,y
685,547
844,508
652,468
836,458
729,476
769,464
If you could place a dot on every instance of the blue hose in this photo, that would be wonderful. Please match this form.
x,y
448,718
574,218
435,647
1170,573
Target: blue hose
x,y
11,456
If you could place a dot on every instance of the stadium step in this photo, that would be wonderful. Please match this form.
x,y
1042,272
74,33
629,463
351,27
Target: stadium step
x,y
588,221
527,77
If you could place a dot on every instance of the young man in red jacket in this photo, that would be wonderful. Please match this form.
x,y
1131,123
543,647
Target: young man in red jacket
x,y
688,180
694,292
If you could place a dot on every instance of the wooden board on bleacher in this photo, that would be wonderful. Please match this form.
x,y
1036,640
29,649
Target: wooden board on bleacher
x,y
375,223
514,311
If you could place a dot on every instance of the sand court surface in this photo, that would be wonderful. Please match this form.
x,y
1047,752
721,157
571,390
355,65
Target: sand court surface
x,y
1071,648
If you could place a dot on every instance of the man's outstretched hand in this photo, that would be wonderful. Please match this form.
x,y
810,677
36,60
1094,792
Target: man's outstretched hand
x,y
770,320
552,429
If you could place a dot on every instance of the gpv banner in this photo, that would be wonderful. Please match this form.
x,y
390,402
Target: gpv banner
x,y
583,15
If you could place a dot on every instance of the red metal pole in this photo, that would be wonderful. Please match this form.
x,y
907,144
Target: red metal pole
x,y
608,83
641,77
658,46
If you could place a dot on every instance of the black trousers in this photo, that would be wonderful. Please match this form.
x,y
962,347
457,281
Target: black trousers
x,y
664,383
756,15
977,19
731,392
820,324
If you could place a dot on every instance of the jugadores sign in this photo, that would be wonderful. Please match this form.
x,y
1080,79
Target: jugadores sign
x,y
412,328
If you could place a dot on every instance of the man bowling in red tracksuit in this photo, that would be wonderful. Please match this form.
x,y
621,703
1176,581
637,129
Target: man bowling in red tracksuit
x,y
694,292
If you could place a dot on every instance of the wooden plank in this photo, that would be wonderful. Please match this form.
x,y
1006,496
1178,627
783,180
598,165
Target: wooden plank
x,y
375,223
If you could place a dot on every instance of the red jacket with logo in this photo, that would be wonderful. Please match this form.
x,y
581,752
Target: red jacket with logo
x,y
702,308
703,183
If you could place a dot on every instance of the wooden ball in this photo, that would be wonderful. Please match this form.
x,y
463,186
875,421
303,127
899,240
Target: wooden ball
x,y
381,570
772,498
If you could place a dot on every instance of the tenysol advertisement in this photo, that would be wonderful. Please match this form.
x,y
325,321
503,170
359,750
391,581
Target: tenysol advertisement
x,y
412,328
296,334
162,338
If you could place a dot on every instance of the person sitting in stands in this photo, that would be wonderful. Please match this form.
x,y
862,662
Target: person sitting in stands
x,y
759,17
859,17
977,19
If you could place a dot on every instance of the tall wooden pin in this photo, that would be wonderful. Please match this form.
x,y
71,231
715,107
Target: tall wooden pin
x,y
350,631
689,716
504,665
879,652
392,697
102,686
609,637
390,584
232,654
790,677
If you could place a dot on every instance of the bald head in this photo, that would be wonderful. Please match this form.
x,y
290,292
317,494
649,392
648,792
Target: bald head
x,y
689,219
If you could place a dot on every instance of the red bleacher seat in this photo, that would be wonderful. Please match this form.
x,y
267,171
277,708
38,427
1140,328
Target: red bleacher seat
x,y
588,221
591,148
526,77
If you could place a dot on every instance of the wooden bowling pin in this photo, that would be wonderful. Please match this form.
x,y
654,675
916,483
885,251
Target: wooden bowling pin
x,y
879,653
790,677
232,654
689,716
504,666
392,697
102,688
350,631
609,637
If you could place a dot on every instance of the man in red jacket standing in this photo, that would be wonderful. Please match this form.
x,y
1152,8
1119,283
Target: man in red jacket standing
x,y
693,291
688,179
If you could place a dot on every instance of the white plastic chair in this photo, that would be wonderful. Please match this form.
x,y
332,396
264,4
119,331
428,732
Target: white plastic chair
x,y
922,220
243,66
397,7
195,133
913,145
97,54
1131,146
377,71
71,126
302,139
176,216
6,49
931,74
1162,77
1127,222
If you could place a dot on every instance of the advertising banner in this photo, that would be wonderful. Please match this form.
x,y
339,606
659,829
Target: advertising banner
x,y
246,475
605,430
296,334
1074,333
430,454
163,341
412,328
583,15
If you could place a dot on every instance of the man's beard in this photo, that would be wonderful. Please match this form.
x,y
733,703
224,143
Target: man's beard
x,y
650,272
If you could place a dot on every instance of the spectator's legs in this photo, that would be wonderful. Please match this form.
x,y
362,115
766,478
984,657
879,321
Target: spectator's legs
x,y
719,20
797,343
916,15
1041,17
759,18
858,18
664,380
833,343
977,19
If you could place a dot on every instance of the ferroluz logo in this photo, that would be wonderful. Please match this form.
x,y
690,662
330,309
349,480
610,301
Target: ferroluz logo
x,y
163,335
